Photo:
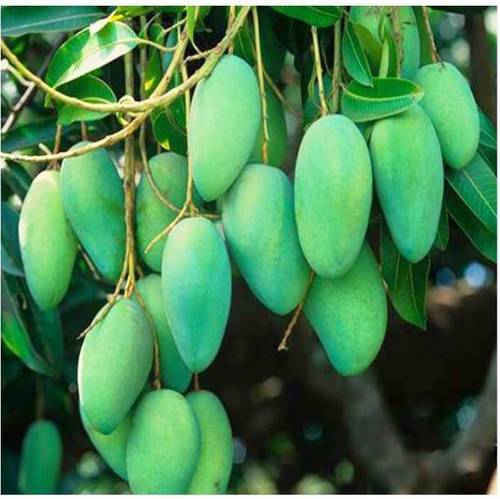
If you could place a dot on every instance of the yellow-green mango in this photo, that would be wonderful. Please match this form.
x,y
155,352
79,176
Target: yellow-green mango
x,y
196,283
163,447
112,447
47,241
449,103
169,172
114,364
216,450
223,125
93,201
408,171
333,194
174,372
41,457
259,225
349,314
278,135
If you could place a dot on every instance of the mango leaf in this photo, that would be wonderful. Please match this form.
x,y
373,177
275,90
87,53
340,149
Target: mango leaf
x,y
394,266
425,44
11,256
85,52
487,132
17,178
89,89
443,232
19,20
389,96
389,57
319,16
15,335
194,15
370,44
30,135
476,185
167,131
354,57
482,239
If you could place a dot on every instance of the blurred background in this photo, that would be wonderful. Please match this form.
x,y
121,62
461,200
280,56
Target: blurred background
x,y
422,419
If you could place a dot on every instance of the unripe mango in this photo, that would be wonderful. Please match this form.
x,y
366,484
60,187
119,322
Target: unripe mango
x,y
349,314
163,446
223,125
174,372
47,241
259,225
112,447
408,171
169,172
216,450
93,201
449,103
196,283
333,194
114,365
278,135
41,457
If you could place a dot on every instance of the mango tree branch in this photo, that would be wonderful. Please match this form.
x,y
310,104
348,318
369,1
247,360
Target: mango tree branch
x,y
337,65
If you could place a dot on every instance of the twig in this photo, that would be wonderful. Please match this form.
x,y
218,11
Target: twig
x,y
57,146
319,73
262,89
428,29
337,66
230,21
84,131
196,382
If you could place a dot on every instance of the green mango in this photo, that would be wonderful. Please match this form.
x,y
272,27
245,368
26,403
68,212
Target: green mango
x,y
112,447
216,450
163,447
349,314
223,125
408,171
114,364
333,194
449,103
47,241
278,135
169,172
41,457
259,225
174,372
196,283
93,201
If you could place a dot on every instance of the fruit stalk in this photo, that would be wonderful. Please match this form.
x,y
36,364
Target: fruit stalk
x,y
319,72
337,64
428,29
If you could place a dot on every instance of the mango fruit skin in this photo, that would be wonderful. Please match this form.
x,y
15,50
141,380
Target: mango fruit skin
x,y
174,372
408,171
163,447
41,457
215,463
259,225
278,135
333,194
170,174
113,447
93,201
449,103
349,314
114,364
223,125
196,283
47,241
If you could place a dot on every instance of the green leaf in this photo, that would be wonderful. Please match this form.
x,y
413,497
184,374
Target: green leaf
x,y
482,239
25,136
194,15
389,57
487,132
394,266
84,52
443,232
11,256
425,44
389,96
19,20
16,177
476,185
15,335
319,16
354,57
89,89
370,44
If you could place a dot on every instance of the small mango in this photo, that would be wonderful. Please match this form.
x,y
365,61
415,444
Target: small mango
x,y
47,241
163,447
223,125
349,314
196,283
259,224
333,194
114,364
216,450
93,200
